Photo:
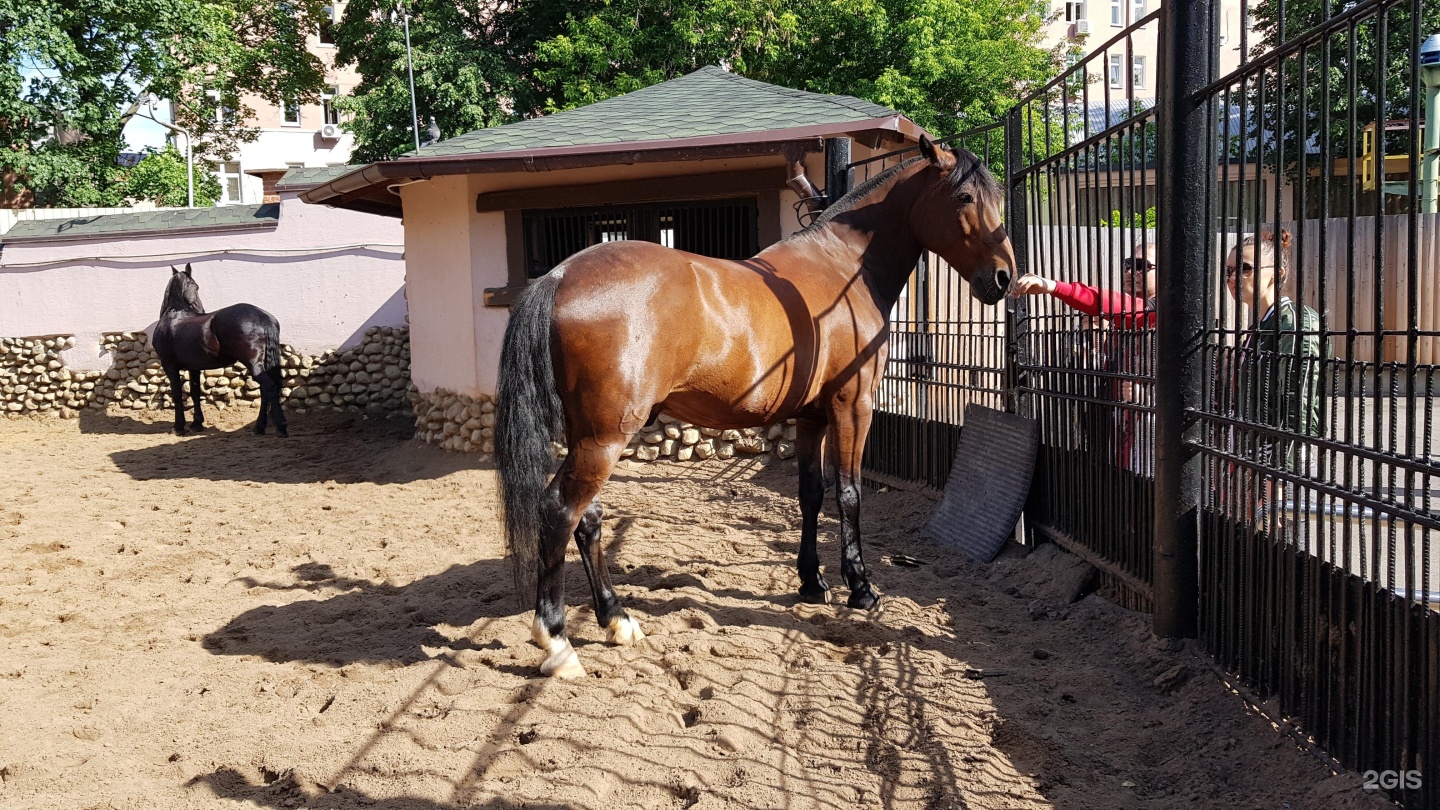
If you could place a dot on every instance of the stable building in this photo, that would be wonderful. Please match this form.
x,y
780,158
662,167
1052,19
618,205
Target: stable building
x,y
697,163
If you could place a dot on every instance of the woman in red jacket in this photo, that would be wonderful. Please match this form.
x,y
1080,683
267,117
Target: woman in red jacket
x,y
1129,314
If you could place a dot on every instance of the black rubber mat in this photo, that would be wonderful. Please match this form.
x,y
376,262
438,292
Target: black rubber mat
x,y
988,483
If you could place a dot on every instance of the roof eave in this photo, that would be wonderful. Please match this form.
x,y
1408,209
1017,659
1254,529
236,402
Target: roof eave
x,y
360,184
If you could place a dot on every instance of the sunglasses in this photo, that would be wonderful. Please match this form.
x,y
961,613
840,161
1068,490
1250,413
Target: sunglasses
x,y
1245,269
1136,265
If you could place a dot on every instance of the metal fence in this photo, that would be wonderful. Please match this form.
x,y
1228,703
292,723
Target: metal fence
x,y
1273,489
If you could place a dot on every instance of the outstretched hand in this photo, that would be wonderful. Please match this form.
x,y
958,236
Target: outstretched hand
x,y
1030,284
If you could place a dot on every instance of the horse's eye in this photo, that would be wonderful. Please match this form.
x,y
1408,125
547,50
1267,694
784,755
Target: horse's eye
x,y
965,198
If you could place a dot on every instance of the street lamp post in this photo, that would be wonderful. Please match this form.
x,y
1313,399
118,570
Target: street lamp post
x,y
153,103
1430,154
410,67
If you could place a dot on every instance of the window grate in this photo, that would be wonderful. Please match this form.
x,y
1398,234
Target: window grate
x,y
723,229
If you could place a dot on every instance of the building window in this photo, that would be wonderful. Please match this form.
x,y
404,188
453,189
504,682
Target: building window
x,y
723,229
231,189
1117,13
290,112
327,26
1138,10
1137,71
327,105
1117,70
1074,10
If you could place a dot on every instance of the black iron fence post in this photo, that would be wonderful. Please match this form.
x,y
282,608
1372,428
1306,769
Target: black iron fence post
x,y
1017,227
1183,123
838,174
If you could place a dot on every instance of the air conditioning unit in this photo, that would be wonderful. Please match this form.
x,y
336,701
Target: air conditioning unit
x,y
330,131
1082,27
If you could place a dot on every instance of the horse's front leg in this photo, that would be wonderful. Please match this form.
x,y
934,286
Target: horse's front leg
x,y
809,450
195,375
177,396
849,425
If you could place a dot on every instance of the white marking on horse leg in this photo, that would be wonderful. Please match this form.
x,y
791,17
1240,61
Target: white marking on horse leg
x,y
540,634
624,631
563,662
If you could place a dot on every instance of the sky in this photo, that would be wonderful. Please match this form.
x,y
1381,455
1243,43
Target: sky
x,y
140,132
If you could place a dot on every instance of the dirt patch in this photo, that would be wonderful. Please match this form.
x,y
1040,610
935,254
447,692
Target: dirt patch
x,y
325,622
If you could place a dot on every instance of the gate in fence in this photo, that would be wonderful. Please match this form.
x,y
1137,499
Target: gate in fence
x,y
1237,397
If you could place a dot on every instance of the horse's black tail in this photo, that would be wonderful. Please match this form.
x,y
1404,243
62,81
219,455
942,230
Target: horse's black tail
x,y
528,416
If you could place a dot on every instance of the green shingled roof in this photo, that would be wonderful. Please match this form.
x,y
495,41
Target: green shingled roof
x,y
708,102
146,222
313,176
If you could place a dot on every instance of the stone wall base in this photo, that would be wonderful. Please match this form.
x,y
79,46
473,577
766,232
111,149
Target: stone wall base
x,y
372,377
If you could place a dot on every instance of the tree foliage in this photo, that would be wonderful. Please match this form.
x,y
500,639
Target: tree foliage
x,y
69,69
462,72
1364,70
160,177
948,64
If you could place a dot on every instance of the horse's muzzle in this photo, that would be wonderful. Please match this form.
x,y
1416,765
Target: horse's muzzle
x,y
991,284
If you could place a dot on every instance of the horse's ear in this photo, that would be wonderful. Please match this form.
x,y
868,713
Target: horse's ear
x,y
187,270
939,157
173,271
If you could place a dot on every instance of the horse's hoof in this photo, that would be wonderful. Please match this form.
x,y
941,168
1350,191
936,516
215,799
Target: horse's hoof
x,y
282,433
259,431
197,426
562,662
179,430
623,631
863,599
816,595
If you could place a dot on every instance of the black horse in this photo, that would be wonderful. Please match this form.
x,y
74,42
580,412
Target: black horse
x,y
190,339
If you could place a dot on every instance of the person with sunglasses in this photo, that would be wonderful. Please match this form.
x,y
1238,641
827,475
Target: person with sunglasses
x,y
1131,306
1273,376
1127,348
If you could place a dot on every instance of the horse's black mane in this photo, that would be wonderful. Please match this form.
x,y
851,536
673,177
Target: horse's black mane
x,y
175,298
970,173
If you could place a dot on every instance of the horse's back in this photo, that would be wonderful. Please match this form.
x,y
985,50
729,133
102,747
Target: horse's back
x,y
247,314
716,341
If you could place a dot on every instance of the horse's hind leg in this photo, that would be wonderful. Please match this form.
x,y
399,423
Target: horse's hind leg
x,y
195,391
177,394
266,386
565,501
619,627
277,411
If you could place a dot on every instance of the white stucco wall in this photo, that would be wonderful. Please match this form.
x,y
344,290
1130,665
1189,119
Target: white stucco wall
x,y
327,274
439,283
454,253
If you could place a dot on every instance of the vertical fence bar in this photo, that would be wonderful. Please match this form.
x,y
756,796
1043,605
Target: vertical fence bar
x,y
1017,227
1185,26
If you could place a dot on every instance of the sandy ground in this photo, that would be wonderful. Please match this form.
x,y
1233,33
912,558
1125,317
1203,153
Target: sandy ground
x,y
325,622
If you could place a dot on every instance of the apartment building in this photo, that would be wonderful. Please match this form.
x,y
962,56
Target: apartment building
x,y
292,135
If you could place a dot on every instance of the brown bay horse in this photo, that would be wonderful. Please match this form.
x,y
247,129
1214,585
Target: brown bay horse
x,y
598,348
187,338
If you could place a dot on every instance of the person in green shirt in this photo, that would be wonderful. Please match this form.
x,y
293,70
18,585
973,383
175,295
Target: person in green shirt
x,y
1274,379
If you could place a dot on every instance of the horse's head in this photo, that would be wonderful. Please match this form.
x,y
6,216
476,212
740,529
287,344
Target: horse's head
x,y
182,294
958,217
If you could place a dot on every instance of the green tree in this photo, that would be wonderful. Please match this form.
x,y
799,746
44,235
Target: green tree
x,y
1302,109
70,68
160,177
463,73
948,64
